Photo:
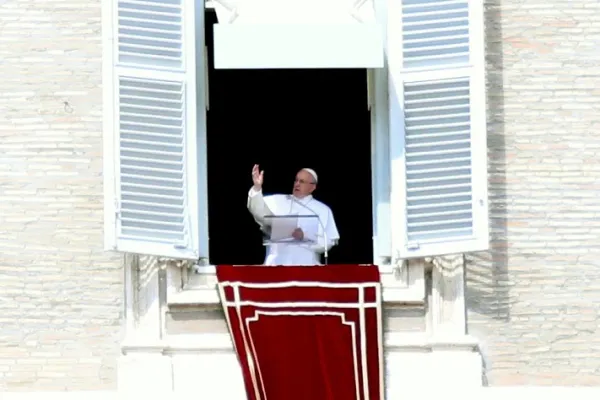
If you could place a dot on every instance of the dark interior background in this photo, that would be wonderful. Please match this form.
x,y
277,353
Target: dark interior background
x,y
285,120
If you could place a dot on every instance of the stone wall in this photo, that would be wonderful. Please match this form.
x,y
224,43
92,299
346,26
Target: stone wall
x,y
533,299
60,293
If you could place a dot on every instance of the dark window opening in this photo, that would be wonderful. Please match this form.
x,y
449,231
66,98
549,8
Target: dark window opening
x,y
285,120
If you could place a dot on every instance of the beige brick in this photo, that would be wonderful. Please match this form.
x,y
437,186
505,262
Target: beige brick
x,y
533,298
56,283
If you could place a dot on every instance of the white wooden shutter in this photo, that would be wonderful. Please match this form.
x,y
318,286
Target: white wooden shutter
x,y
157,203
438,127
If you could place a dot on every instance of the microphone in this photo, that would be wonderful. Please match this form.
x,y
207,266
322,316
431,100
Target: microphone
x,y
325,254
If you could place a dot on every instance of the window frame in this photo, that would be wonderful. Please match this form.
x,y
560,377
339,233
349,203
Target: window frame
x,y
403,279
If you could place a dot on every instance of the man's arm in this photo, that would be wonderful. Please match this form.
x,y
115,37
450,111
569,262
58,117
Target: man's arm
x,y
256,203
258,208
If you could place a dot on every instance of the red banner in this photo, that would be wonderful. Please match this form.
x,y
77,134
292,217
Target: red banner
x,y
306,332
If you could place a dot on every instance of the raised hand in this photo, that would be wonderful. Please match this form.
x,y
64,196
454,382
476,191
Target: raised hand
x,y
257,177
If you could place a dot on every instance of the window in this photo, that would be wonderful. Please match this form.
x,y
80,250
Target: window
x,y
428,130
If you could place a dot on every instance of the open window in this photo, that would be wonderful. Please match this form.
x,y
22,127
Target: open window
x,y
427,136
285,120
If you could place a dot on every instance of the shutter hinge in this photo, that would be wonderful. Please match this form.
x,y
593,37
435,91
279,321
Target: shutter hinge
x,y
117,208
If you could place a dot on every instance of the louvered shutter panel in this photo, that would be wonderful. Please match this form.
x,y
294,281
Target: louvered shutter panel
x,y
157,204
438,127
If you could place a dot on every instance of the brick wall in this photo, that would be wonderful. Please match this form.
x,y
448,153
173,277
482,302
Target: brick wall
x,y
60,293
534,299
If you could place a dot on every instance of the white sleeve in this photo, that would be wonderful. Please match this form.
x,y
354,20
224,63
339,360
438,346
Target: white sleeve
x,y
257,206
332,234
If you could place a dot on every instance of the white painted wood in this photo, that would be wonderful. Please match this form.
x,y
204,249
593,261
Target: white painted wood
x,y
396,130
151,141
437,128
479,144
380,160
249,46
108,126
199,219
293,11
296,34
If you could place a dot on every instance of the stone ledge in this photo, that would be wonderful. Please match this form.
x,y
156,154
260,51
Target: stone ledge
x,y
200,288
210,296
222,342
422,392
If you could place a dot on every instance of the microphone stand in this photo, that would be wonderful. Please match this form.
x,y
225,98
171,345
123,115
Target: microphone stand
x,y
326,252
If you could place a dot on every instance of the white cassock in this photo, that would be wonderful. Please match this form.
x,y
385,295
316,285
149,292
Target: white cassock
x,y
281,204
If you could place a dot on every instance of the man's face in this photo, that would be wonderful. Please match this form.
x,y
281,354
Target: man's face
x,y
304,184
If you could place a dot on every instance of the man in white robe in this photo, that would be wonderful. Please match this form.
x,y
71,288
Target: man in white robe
x,y
304,250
